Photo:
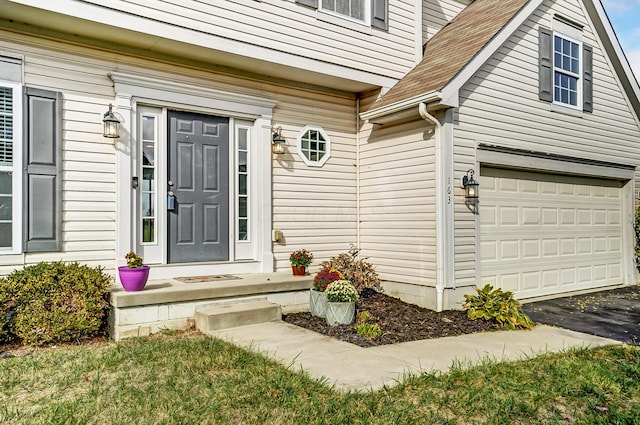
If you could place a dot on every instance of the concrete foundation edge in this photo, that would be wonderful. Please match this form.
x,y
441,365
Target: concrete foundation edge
x,y
138,321
426,296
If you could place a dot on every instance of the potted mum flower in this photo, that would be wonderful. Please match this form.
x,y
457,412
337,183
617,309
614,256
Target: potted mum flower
x,y
317,296
134,275
300,260
341,303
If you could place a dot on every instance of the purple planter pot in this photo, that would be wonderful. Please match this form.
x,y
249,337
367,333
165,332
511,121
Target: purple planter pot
x,y
133,280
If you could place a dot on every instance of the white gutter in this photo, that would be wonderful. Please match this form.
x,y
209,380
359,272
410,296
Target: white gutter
x,y
440,206
432,96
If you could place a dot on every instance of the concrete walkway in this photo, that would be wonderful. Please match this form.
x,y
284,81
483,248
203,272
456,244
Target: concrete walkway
x,y
350,367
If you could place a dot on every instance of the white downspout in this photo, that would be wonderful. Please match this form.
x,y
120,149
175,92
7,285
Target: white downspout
x,y
440,207
358,171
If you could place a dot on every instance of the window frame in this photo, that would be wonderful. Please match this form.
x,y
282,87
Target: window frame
x,y
327,150
16,168
153,190
558,70
367,13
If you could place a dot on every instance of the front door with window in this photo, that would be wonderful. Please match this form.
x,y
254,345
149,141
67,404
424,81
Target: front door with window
x,y
198,178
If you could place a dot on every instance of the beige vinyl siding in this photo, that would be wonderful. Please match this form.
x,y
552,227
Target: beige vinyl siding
x,y
500,106
283,26
438,13
314,207
397,203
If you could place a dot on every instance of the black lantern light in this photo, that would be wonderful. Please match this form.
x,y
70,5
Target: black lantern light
x,y
470,185
278,142
111,124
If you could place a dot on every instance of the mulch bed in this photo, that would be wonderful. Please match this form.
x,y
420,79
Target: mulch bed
x,y
399,322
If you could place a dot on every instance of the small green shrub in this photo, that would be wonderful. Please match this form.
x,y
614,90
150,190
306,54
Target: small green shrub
x,y
498,305
365,328
359,272
369,330
53,302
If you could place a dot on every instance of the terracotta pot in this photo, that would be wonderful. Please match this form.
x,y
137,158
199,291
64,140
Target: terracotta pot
x,y
340,313
317,303
299,270
133,280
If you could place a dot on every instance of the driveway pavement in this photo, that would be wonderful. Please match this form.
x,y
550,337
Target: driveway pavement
x,y
613,314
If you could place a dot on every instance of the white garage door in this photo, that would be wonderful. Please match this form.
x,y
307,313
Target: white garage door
x,y
543,234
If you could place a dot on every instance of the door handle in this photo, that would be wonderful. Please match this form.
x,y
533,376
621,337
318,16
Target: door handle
x,y
171,201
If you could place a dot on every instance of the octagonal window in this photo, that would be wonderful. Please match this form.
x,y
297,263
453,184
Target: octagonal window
x,y
314,146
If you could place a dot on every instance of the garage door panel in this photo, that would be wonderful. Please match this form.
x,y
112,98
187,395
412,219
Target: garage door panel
x,y
542,234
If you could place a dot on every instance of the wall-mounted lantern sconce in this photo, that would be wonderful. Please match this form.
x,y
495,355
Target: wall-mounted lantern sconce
x,y
278,142
470,186
111,124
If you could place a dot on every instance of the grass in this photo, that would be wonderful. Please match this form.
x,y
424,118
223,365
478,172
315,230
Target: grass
x,y
198,380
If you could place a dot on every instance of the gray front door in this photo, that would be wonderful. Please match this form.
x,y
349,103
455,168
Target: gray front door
x,y
198,175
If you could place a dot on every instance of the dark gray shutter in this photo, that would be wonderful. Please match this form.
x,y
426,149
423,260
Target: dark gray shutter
x,y
545,64
42,178
380,14
310,3
587,78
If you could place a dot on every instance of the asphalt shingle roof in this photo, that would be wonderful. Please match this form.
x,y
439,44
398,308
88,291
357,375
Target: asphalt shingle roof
x,y
449,50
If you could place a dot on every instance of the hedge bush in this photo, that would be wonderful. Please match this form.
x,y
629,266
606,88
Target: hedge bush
x,y
53,302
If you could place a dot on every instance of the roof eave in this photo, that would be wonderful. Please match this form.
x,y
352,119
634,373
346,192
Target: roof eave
x,y
616,54
400,110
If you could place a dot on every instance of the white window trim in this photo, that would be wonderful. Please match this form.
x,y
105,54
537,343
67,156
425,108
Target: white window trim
x,y
244,250
160,146
579,76
327,139
16,169
367,14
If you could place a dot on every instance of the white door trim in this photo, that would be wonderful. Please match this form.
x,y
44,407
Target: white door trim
x,y
132,90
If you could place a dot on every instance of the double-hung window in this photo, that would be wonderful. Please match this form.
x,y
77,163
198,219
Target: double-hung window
x,y
354,9
565,67
30,164
373,13
10,167
567,71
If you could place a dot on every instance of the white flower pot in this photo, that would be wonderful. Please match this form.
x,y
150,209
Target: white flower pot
x,y
340,313
317,303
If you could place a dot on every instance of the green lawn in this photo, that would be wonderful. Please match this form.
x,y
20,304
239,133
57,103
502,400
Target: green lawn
x,y
198,380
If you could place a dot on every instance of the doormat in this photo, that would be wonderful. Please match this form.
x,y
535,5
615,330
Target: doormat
x,y
210,278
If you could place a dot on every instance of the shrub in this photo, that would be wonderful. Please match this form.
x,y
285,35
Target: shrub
x,y
498,305
359,272
365,328
341,291
325,277
53,302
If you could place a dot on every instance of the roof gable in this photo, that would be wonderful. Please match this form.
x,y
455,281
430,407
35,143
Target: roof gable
x,y
453,47
454,54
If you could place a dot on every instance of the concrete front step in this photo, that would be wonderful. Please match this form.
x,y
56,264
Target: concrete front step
x,y
218,316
